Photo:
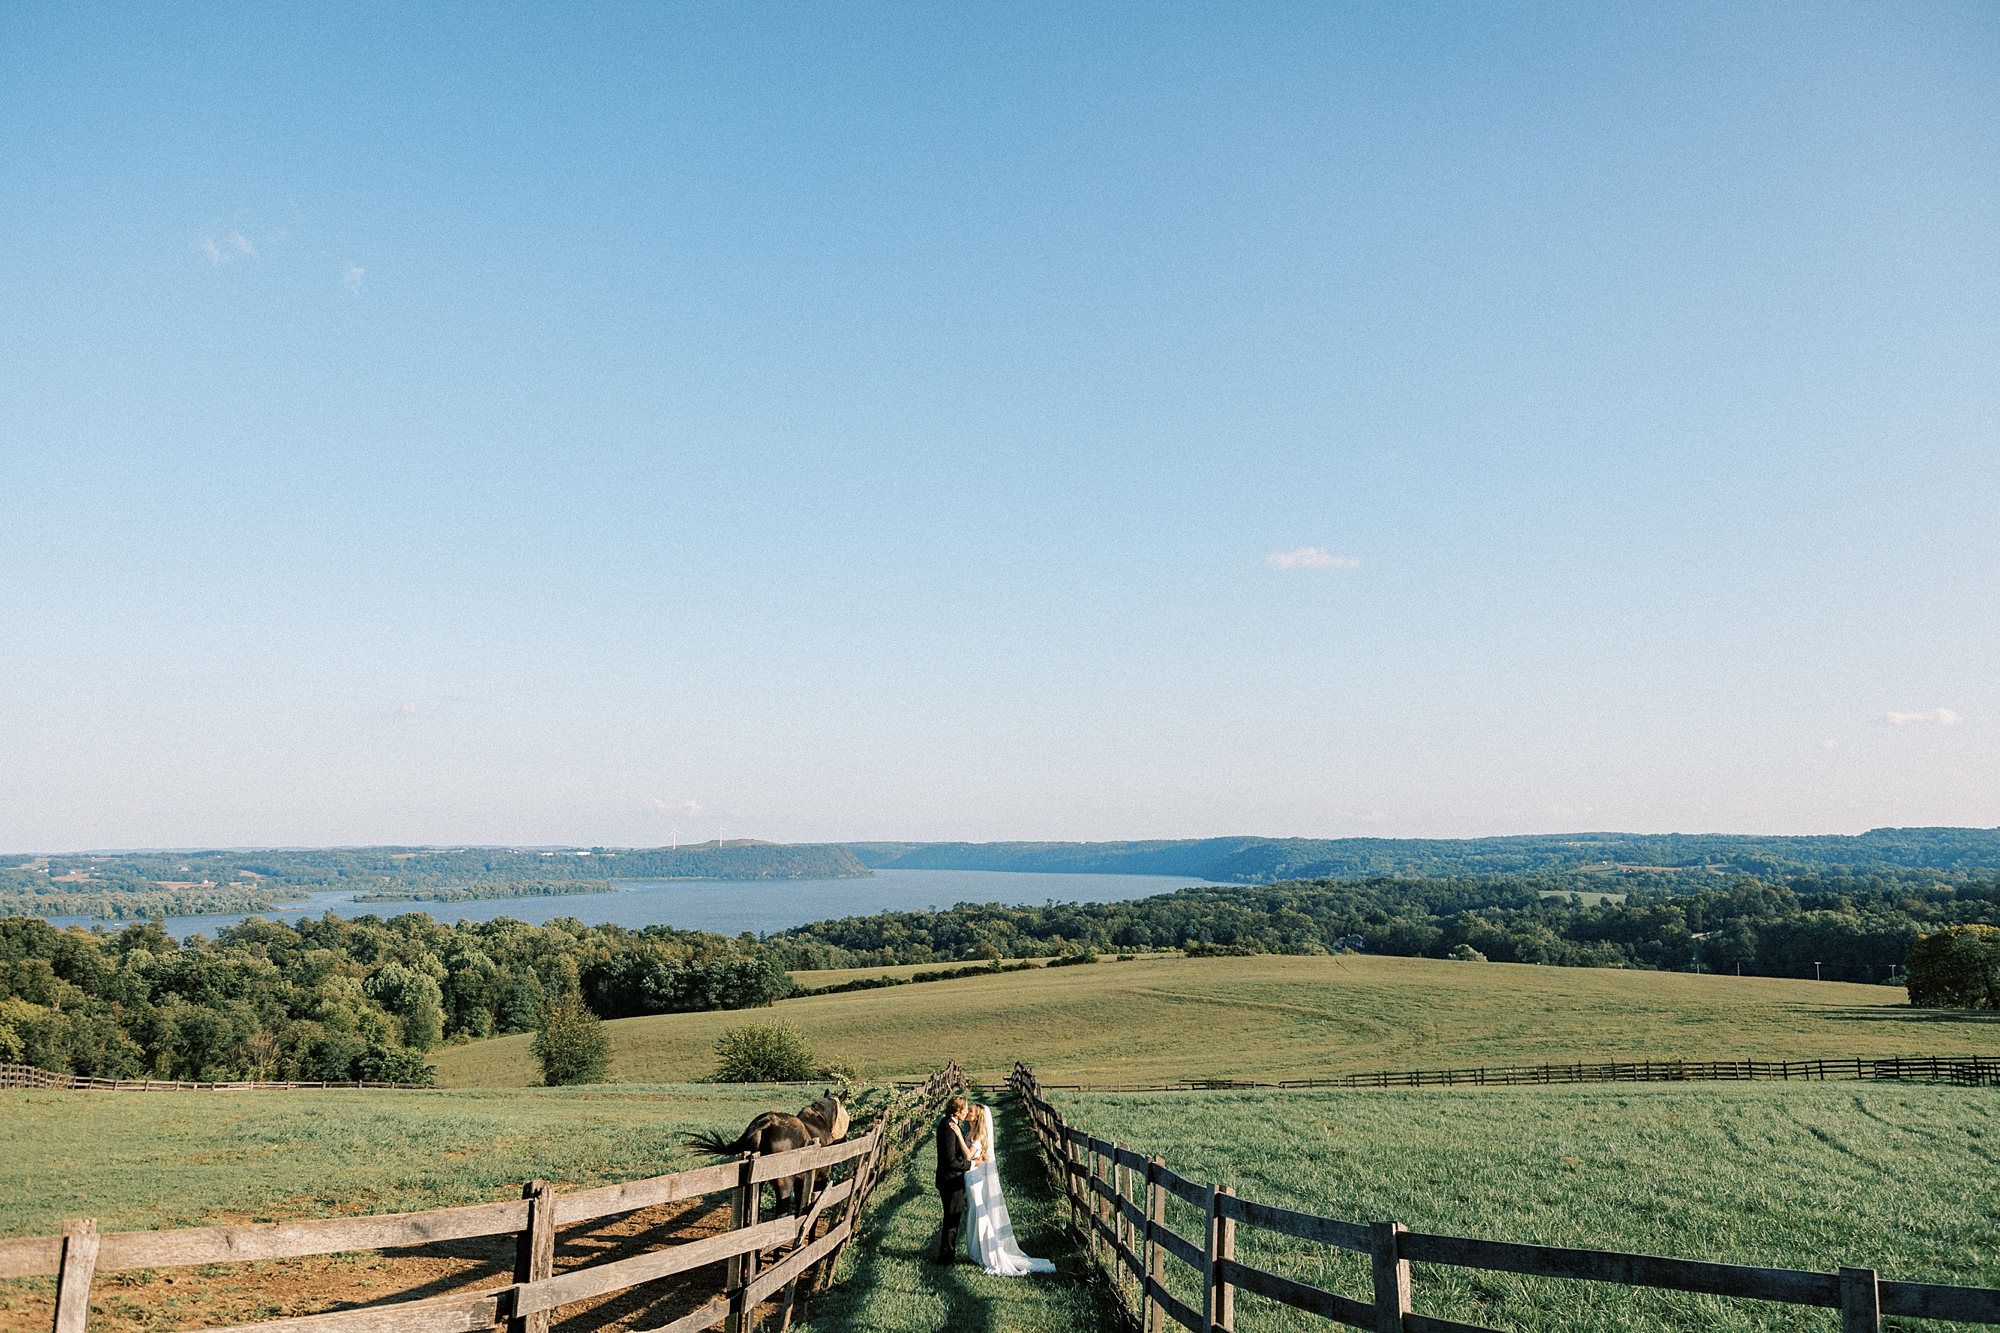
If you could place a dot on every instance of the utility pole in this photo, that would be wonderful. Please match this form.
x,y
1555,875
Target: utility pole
x,y
1815,970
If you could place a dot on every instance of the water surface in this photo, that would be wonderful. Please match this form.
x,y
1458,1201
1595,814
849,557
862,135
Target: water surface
x,y
727,907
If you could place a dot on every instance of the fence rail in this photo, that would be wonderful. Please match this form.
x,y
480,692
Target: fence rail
x,y
806,1261
1965,1070
1118,1199
29,1076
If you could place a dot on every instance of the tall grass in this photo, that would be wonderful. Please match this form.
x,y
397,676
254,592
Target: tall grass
x,y
1897,1178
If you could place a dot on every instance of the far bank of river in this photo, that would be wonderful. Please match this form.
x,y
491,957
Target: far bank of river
x,y
727,907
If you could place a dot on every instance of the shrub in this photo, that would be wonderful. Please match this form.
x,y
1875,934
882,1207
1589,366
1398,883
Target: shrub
x,y
1196,949
1465,953
1957,968
571,1045
763,1053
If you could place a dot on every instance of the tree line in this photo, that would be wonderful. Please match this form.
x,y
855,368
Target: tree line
x,y
1838,927
334,999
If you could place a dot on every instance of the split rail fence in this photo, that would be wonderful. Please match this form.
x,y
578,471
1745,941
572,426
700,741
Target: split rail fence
x,y
1965,1070
807,1254
1118,1198
29,1076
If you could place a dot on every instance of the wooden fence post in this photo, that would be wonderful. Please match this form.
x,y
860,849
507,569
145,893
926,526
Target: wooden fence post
x,y
1119,1241
535,1251
1392,1278
1208,1241
1156,1253
1225,1254
1096,1160
79,1262
743,1207
1069,1176
1860,1305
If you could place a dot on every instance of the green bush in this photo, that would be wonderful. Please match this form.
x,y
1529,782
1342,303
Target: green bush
x,y
571,1044
1465,953
764,1053
1956,968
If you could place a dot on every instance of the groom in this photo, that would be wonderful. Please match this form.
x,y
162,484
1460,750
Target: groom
x,y
953,1162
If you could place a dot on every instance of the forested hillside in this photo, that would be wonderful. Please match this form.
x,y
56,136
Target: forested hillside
x,y
1649,858
136,886
1854,928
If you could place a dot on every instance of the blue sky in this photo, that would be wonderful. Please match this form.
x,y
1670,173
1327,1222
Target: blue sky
x,y
528,425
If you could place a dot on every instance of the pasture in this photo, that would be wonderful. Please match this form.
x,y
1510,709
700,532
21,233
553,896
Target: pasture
x,y
137,1161
1896,1177
1165,1018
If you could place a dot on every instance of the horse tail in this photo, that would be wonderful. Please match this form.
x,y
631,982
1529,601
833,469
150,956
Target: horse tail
x,y
715,1143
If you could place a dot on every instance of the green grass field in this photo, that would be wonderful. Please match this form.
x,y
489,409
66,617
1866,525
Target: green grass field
x,y
1167,1018
1900,1178
135,1160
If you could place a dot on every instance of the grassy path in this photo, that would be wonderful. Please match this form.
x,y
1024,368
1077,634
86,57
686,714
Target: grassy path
x,y
888,1284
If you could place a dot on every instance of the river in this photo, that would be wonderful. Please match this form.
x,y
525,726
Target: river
x,y
728,907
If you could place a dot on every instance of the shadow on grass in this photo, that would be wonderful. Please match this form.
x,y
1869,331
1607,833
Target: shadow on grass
x,y
1897,1014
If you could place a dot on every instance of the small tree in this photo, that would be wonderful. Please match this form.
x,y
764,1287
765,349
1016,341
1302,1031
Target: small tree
x,y
763,1053
571,1044
1956,968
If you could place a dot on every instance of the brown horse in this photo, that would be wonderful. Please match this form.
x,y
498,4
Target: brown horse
x,y
824,1121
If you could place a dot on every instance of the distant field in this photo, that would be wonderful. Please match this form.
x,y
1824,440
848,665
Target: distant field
x,y
1893,1177
1169,1018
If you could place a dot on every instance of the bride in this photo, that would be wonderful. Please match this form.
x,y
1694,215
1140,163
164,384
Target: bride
x,y
990,1239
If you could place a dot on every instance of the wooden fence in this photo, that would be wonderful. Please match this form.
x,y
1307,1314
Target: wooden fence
x,y
1118,1198
29,1076
1965,1070
807,1253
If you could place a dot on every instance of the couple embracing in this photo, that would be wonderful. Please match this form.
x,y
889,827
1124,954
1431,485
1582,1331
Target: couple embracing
x,y
968,1177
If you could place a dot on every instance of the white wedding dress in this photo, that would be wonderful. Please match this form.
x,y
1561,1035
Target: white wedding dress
x,y
989,1233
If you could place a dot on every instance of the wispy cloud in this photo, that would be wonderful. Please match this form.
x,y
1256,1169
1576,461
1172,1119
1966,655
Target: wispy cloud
x,y
350,278
1942,717
1311,557
220,251
685,807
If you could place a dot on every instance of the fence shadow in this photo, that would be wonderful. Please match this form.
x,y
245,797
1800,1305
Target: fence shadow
x,y
1885,1014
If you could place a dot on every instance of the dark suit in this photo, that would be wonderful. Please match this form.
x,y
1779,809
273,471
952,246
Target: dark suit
x,y
953,1163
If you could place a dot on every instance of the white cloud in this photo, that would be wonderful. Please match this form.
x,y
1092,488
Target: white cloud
x,y
659,804
1942,717
350,278
240,243
1829,745
1311,557
207,246
409,708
